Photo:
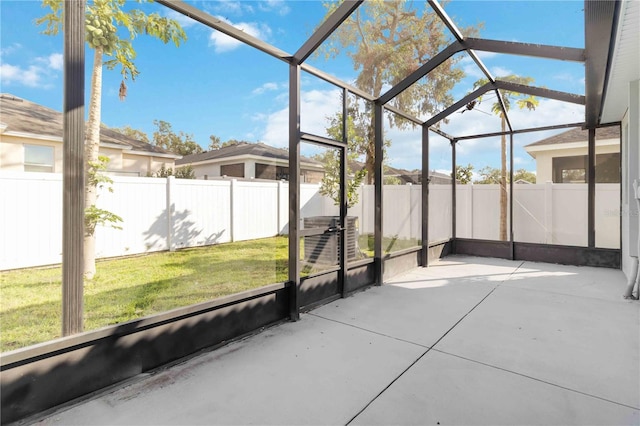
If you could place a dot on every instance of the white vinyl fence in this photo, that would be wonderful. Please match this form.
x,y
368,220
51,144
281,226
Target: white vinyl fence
x,y
167,214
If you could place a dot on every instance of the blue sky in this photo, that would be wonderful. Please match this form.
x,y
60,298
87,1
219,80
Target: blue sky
x,y
214,85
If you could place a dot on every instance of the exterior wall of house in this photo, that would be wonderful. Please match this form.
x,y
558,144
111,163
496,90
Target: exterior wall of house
x,y
12,152
267,169
121,163
137,163
544,160
155,163
115,158
630,172
143,165
312,176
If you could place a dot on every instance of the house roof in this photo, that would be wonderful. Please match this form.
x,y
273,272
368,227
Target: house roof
x,y
578,135
242,149
624,65
23,116
406,176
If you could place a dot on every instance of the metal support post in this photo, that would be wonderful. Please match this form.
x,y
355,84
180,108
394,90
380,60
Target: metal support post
x,y
73,169
425,197
294,190
343,198
453,193
591,179
378,181
511,183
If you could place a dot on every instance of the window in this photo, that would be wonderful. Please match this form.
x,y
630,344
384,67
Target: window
x,y
38,158
232,170
608,168
266,171
574,169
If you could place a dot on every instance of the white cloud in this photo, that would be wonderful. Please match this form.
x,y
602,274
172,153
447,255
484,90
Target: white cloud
x,y
55,61
230,7
30,77
500,71
223,43
37,74
279,6
8,50
469,66
183,20
316,106
266,87
276,132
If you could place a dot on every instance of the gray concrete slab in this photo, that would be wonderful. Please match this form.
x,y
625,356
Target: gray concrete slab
x,y
422,304
458,267
599,283
415,310
446,390
585,344
310,372
530,344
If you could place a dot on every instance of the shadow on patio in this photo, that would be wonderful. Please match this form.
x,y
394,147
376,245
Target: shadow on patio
x,y
466,341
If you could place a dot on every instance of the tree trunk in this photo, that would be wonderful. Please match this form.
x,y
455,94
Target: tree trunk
x,y
91,148
369,162
503,183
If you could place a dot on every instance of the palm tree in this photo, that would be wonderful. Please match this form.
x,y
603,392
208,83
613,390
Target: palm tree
x,y
103,18
523,101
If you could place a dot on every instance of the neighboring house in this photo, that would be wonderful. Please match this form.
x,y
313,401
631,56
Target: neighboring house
x,y
31,141
405,176
415,177
563,158
250,161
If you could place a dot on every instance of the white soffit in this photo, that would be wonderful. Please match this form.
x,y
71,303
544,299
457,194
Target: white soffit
x,y
626,62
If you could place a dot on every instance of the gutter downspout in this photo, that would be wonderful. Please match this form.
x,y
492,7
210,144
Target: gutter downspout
x,y
634,277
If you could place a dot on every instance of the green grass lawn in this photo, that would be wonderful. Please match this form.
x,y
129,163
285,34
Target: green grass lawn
x,y
133,287
128,288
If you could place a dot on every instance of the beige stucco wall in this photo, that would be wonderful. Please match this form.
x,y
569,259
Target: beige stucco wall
x,y
12,157
12,152
544,160
144,165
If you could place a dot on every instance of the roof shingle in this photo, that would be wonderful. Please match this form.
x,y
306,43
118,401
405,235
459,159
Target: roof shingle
x,y
21,115
579,135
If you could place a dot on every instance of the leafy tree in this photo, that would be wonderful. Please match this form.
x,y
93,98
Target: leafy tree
x,y
522,101
109,31
386,41
184,172
523,174
215,142
232,142
464,174
489,176
492,175
178,143
330,185
136,134
390,180
94,216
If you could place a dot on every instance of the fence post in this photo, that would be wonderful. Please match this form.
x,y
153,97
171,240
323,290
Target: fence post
x,y
280,210
469,211
170,213
232,208
548,213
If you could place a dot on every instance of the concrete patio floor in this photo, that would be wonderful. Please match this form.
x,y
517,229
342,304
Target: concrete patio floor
x,y
466,341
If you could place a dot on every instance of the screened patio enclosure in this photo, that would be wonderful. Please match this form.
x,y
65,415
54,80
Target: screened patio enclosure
x,y
437,212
